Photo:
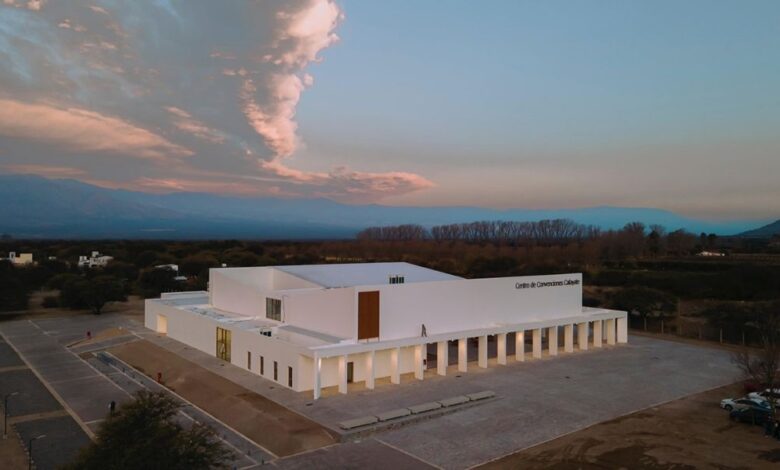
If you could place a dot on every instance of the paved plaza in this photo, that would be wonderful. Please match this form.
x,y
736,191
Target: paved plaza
x,y
535,401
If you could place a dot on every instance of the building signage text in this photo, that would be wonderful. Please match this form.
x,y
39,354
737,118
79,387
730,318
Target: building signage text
x,y
535,284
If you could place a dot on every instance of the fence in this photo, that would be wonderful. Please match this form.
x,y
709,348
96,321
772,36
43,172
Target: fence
x,y
745,336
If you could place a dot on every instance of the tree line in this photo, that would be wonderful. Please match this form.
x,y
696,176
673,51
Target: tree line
x,y
497,231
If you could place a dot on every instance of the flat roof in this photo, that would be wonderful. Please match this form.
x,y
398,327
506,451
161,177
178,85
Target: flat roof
x,y
363,274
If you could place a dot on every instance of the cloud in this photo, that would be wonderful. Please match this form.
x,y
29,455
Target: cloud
x,y
275,121
33,5
98,9
82,130
186,123
299,36
346,184
160,82
45,170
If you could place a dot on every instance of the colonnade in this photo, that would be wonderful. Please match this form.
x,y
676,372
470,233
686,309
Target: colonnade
x,y
582,335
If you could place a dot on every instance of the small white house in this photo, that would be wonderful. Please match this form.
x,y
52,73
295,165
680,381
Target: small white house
x,y
20,259
314,326
711,253
95,260
175,269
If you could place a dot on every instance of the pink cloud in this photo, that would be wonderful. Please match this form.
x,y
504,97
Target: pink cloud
x,y
356,186
221,186
306,33
300,36
78,129
98,9
45,170
275,121
186,123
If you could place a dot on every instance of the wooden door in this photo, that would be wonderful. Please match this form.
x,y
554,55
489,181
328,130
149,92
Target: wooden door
x,y
368,315
223,344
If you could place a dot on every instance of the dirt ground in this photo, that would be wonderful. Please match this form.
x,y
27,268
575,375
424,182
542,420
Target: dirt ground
x,y
12,454
269,424
134,306
690,433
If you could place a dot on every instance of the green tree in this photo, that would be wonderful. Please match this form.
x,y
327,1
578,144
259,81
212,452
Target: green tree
x,y
153,282
14,292
92,293
144,433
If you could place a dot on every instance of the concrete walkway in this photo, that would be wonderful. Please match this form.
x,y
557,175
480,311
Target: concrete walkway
x,y
86,387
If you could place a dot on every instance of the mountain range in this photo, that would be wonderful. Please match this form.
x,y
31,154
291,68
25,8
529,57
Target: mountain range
x,y
767,231
37,207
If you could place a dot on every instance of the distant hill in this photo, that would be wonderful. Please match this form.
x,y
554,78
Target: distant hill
x,y
767,231
36,207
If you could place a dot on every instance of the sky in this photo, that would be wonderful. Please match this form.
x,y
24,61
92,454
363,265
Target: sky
x,y
504,104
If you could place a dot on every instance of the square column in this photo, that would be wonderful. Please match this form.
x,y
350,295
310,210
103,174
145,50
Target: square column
x,y
317,376
552,340
622,330
597,334
370,370
537,343
463,357
520,345
568,338
419,367
611,331
482,350
582,336
343,374
395,365
442,357
501,348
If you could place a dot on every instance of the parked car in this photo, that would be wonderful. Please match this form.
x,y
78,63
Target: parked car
x,y
767,395
750,415
729,404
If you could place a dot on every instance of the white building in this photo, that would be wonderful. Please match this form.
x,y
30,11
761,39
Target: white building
x,y
96,260
710,253
20,259
309,327
175,269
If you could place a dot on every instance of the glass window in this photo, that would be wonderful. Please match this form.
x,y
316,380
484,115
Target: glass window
x,y
276,371
249,360
262,365
273,309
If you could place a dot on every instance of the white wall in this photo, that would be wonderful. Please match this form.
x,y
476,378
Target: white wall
x,y
240,291
272,349
283,280
189,328
200,332
330,311
448,306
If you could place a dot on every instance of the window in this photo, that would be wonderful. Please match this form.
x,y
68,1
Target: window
x,y
276,371
289,377
396,279
273,309
262,365
249,360
223,344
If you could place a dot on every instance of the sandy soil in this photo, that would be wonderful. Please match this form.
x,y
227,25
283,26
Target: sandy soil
x,y
12,454
133,307
690,433
269,424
